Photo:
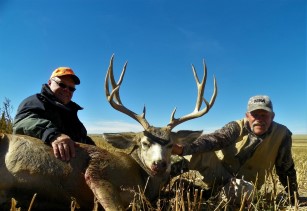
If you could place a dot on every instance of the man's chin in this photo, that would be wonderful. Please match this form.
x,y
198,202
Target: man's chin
x,y
259,130
64,101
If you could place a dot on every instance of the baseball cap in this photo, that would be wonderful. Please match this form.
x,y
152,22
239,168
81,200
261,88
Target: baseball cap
x,y
61,71
259,102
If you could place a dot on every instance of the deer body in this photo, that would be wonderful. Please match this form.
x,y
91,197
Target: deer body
x,y
28,166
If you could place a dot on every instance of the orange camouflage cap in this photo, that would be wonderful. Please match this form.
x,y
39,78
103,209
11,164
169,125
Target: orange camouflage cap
x,y
61,71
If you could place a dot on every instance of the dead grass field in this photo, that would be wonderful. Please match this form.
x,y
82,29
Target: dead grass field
x,y
299,150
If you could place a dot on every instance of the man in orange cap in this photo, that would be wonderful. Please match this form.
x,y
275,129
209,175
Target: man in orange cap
x,y
52,116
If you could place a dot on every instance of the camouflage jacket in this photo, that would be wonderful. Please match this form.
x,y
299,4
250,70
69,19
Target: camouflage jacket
x,y
230,135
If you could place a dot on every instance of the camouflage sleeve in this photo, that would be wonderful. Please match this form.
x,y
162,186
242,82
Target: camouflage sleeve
x,y
285,165
217,140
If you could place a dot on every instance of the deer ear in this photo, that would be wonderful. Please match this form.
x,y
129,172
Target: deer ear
x,y
185,136
122,140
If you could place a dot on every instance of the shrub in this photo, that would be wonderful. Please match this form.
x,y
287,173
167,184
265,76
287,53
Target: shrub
x,y
6,120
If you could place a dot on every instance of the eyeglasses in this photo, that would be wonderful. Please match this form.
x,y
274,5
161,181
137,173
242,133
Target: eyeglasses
x,y
64,86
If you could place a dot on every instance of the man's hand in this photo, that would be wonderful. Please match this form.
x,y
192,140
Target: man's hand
x,y
177,149
63,147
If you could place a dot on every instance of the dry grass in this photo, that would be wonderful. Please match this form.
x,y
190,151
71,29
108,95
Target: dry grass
x,y
186,192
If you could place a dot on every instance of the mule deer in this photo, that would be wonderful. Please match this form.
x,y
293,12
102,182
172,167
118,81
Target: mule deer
x,y
28,166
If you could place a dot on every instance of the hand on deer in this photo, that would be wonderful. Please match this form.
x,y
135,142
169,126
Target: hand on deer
x,y
63,147
177,149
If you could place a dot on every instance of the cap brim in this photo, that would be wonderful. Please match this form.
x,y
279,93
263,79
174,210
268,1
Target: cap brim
x,y
254,108
76,79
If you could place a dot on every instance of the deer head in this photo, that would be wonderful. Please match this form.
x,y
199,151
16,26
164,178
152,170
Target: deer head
x,y
156,142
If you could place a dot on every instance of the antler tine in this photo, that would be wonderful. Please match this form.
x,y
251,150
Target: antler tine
x,y
112,80
197,112
114,97
200,86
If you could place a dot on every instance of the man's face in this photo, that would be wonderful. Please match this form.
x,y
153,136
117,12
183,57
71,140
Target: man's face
x,y
260,120
62,87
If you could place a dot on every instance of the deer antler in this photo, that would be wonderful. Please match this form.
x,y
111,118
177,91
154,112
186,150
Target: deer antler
x,y
196,113
114,98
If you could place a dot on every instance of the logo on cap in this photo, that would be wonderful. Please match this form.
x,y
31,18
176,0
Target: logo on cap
x,y
259,102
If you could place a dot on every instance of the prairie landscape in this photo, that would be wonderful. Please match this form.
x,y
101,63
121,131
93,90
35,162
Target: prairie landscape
x,y
185,192
299,150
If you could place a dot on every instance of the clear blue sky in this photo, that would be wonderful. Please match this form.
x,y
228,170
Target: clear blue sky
x,y
251,47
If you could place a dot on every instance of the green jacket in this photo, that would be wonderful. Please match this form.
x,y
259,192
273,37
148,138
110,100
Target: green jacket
x,y
43,117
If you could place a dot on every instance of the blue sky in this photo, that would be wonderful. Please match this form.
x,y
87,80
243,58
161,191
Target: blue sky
x,y
251,47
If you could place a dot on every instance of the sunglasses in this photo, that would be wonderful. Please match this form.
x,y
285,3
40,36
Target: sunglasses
x,y
64,86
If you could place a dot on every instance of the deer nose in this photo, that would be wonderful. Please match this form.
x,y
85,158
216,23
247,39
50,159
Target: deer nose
x,y
159,166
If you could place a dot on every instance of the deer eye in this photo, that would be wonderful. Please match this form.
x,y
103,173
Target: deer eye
x,y
145,144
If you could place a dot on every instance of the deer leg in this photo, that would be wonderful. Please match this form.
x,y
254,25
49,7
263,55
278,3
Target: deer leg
x,y
105,192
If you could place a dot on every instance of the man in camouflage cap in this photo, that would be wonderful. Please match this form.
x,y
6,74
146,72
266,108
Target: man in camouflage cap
x,y
248,148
